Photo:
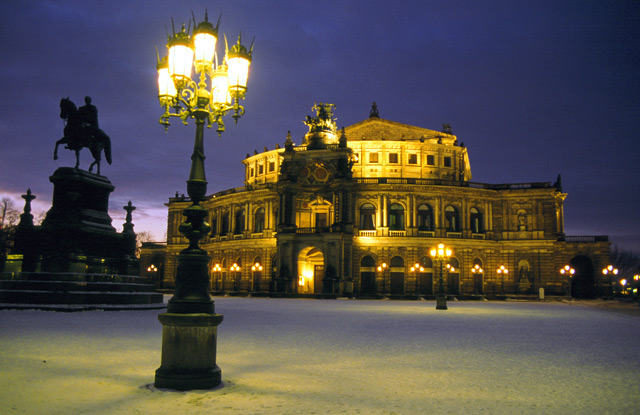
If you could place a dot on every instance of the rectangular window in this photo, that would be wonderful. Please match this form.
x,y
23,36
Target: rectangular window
x,y
373,158
251,171
260,169
413,159
447,162
356,157
393,158
272,166
431,160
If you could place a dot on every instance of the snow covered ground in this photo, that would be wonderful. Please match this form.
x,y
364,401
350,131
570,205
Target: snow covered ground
x,y
292,356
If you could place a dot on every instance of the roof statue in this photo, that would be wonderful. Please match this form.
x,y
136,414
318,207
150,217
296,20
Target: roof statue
x,y
81,131
323,121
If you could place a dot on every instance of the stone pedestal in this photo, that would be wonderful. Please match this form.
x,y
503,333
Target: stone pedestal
x,y
441,302
189,352
78,224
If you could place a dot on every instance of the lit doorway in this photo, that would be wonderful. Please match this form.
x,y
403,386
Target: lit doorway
x,y
310,271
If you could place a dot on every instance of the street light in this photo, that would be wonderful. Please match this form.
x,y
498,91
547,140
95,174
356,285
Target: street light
x,y
381,269
217,269
502,271
255,268
568,271
235,268
417,268
612,272
477,270
441,254
189,332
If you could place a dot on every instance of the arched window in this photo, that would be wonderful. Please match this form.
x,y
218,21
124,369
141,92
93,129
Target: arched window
x,y
425,218
368,262
397,262
396,217
475,218
258,221
367,216
239,222
225,224
452,219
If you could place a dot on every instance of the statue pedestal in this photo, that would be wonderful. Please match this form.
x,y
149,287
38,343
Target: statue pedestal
x,y
78,223
189,352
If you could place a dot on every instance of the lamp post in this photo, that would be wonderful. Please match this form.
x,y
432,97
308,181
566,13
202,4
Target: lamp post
x,y
235,268
381,269
612,272
568,271
255,268
502,271
189,333
217,272
477,271
441,254
417,269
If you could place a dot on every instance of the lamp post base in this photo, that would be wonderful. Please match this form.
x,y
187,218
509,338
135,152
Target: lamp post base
x,y
441,302
189,352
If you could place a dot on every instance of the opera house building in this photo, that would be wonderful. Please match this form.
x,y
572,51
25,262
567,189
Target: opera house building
x,y
358,212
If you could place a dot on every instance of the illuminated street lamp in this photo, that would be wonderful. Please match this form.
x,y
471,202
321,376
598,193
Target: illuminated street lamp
x,y
189,333
611,272
502,271
568,271
417,269
441,254
623,283
255,268
381,269
236,269
217,269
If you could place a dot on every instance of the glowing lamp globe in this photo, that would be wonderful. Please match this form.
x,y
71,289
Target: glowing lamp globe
x,y
166,87
204,40
238,61
181,56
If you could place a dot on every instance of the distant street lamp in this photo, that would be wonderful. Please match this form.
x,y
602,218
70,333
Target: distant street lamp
x,y
381,269
189,333
568,271
611,272
502,271
477,270
235,268
441,254
217,272
416,268
255,268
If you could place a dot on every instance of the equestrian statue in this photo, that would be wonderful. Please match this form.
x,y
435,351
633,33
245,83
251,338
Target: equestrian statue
x,y
81,130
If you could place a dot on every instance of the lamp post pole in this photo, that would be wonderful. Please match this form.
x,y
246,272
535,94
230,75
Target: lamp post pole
x,y
612,272
417,269
381,269
568,271
189,333
441,254
502,271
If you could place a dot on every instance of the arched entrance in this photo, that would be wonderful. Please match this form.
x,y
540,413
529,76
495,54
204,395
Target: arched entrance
x,y
310,271
368,275
397,275
583,281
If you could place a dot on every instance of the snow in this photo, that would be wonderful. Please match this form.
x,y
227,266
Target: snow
x,y
295,356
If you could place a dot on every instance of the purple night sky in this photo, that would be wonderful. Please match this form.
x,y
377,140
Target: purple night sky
x,y
533,89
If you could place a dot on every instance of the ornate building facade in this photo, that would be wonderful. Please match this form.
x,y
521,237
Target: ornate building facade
x,y
357,211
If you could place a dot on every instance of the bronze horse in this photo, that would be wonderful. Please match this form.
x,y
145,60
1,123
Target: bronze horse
x,y
79,133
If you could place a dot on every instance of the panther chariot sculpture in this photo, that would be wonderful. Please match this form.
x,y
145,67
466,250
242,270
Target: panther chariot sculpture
x,y
81,131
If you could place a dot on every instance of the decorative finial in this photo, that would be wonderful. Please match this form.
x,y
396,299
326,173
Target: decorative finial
x,y
446,128
288,144
374,111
